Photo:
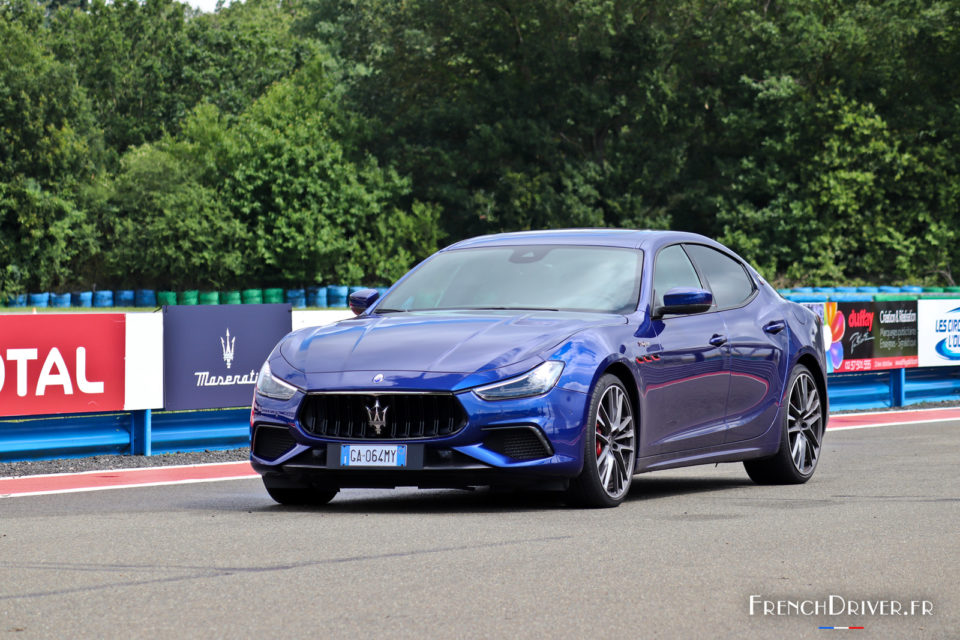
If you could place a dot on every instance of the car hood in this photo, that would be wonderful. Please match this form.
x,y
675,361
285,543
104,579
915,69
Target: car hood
x,y
432,343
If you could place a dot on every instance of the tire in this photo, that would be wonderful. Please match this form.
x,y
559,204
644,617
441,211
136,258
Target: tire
x,y
610,448
801,435
300,496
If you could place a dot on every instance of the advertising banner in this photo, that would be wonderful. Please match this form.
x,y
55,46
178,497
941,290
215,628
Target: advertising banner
x,y
868,336
895,346
939,336
212,354
61,363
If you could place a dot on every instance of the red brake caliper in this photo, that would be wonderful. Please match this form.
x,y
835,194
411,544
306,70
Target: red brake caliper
x,y
599,432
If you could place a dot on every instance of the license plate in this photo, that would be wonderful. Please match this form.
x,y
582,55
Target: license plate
x,y
373,455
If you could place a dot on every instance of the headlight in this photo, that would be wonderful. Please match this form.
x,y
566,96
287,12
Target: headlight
x,y
272,387
535,382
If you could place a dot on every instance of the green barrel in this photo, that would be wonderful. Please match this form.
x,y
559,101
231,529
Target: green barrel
x,y
933,289
882,297
166,298
251,296
230,297
209,297
188,297
952,289
273,296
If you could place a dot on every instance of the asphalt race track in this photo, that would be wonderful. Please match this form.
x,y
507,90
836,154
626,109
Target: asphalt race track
x,y
879,522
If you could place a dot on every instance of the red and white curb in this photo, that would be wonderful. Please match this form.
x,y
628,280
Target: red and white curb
x,y
158,476
123,478
846,421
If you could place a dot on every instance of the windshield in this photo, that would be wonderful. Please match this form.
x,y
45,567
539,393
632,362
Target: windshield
x,y
596,279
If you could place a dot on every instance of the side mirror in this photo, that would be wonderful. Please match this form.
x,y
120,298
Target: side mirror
x,y
685,300
361,300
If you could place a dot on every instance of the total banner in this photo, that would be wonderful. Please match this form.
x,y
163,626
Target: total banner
x,y
213,354
939,338
61,363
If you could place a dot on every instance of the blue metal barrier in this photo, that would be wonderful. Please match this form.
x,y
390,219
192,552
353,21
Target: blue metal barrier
x,y
153,432
892,388
133,433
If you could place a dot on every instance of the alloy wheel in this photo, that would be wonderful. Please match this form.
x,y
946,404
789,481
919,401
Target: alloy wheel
x,y
615,441
804,423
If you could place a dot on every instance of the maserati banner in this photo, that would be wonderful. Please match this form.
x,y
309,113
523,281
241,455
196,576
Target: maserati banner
x,y
61,363
212,354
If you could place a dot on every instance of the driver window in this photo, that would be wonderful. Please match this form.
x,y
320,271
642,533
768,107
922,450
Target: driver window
x,y
672,269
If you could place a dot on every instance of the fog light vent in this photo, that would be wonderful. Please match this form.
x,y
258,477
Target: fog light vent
x,y
519,443
269,443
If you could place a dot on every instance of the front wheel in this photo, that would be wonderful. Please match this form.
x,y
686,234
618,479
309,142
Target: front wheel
x,y
801,435
610,448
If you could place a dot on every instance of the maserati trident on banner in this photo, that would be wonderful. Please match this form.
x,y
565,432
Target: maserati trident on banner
x,y
211,354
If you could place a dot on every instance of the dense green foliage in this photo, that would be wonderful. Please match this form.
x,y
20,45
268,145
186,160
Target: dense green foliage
x,y
308,141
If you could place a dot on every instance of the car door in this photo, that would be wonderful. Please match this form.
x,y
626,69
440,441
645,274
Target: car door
x,y
756,344
686,386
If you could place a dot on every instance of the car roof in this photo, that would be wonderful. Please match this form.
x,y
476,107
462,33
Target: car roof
x,y
629,238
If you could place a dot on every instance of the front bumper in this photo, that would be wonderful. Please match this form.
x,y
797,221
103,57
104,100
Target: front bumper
x,y
521,441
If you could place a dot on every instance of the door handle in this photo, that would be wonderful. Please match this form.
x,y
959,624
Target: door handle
x,y
775,327
718,340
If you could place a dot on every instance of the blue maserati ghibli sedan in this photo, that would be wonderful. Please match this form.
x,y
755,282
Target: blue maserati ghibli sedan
x,y
569,359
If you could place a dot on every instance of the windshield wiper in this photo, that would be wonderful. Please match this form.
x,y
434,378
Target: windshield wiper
x,y
378,310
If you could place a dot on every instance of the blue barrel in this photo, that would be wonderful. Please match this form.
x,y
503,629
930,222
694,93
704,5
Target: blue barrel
x,y
868,290
824,289
784,292
355,289
316,296
146,298
82,298
337,296
125,297
886,289
39,299
297,298
60,300
803,289
806,297
103,298
911,289
846,289
851,297
19,300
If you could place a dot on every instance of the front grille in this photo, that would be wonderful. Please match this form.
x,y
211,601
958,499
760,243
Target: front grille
x,y
269,443
403,416
522,443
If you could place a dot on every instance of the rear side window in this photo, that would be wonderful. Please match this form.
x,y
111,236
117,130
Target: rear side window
x,y
729,281
672,269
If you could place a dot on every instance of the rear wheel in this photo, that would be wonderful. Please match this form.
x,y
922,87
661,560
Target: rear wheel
x,y
609,448
801,435
299,495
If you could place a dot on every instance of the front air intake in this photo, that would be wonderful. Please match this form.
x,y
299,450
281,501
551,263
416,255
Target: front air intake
x,y
519,443
270,442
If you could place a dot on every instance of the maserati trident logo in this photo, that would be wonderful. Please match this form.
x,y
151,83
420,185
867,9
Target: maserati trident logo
x,y
227,346
378,417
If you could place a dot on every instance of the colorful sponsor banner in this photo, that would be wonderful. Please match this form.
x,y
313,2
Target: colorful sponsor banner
x,y
939,335
61,363
213,354
868,336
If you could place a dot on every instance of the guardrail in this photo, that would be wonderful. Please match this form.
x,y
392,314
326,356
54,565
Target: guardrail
x,y
147,432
